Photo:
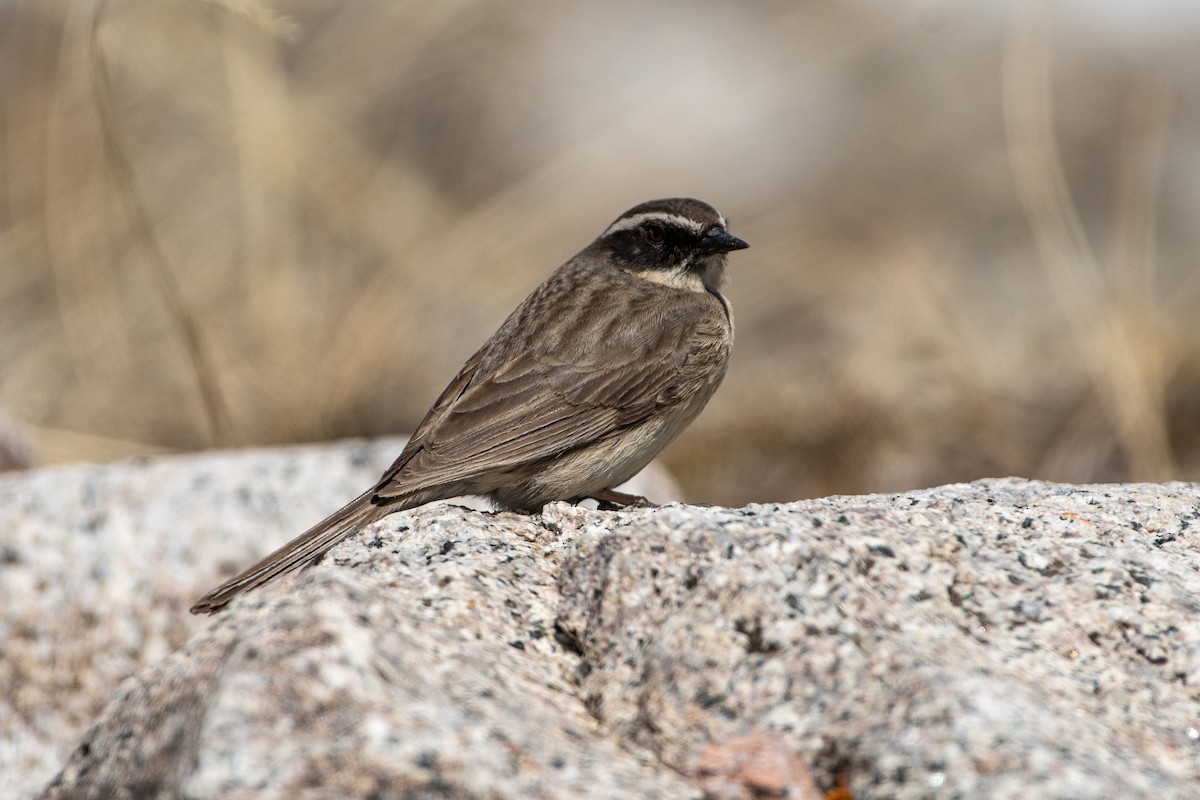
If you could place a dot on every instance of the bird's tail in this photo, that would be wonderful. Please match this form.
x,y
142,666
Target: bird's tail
x,y
315,541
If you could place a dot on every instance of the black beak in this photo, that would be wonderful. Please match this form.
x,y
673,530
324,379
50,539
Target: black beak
x,y
719,240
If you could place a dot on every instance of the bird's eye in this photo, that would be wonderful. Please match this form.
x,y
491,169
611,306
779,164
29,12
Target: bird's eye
x,y
655,233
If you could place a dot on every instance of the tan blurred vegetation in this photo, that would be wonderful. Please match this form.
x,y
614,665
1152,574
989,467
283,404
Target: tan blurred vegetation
x,y
973,226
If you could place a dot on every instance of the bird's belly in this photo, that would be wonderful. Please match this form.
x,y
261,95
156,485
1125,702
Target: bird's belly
x,y
604,464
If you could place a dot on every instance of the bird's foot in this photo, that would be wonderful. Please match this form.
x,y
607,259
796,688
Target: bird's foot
x,y
612,500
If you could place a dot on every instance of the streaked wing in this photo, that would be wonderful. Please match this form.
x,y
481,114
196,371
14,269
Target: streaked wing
x,y
522,407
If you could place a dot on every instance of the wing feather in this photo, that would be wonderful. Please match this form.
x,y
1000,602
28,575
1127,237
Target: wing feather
x,y
570,384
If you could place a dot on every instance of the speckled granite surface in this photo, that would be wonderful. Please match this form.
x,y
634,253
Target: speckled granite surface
x,y
998,639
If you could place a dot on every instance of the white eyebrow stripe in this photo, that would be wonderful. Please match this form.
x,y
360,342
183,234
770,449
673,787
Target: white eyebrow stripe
x,y
626,223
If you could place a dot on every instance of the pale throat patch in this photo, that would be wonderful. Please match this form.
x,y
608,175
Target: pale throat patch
x,y
710,275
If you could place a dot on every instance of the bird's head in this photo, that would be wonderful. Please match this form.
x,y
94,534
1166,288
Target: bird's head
x,y
677,242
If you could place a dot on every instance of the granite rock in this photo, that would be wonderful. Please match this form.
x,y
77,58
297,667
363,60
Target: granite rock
x,y
425,669
1001,639
99,564
1005,638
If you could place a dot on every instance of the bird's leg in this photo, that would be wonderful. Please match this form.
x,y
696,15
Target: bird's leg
x,y
612,500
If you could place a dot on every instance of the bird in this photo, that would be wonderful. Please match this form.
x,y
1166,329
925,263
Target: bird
x,y
586,381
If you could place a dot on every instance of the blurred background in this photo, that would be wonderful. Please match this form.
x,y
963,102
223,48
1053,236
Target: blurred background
x,y
974,226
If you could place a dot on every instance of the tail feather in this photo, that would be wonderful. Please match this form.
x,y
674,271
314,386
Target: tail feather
x,y
315,541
